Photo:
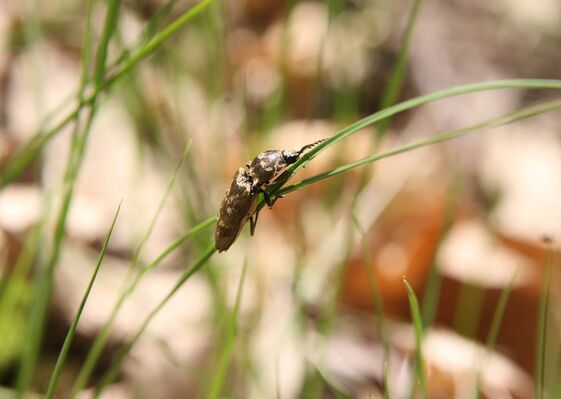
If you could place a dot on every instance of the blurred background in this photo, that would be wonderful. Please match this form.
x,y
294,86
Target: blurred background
x,y
314,304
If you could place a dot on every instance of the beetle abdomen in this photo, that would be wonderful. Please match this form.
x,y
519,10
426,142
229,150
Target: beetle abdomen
x,y
238,205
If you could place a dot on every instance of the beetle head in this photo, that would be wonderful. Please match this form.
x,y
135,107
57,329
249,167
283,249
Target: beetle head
x,y
290,156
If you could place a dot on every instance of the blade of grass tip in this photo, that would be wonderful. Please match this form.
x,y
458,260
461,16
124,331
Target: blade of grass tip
x,y
386,382
101,338
63,354
219,373
418,324
495,327
521,114
112,371
397,75
543,313
32,148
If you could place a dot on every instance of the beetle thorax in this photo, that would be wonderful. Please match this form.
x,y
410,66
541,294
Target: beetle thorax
x,y
266,166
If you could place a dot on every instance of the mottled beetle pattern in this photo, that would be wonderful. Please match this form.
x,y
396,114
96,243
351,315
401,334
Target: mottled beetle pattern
x,y
240,201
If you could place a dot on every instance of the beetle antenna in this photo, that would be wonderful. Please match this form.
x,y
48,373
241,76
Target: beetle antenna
x,y
308,146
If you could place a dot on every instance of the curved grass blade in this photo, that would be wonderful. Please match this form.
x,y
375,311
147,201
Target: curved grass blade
x,y
418,324
409,104
63,354
523,113
111,373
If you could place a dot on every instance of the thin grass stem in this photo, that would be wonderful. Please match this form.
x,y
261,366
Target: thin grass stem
x,y
495,328
65,350
397,74
418,324
543,313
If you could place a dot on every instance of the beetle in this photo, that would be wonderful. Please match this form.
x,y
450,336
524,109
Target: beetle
x,y
240,201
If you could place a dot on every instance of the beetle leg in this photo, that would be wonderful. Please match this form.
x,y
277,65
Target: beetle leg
x,y
253,222
270,202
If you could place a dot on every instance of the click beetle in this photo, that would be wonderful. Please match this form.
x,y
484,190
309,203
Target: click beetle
x,y
240,201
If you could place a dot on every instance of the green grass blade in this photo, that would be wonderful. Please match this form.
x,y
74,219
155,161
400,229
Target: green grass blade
x,y
523,113
156,20
543,313
32,148
386,382
101,339
397,75
108,32
495,327
111,373
86,54
498,316
63,354
418,324
219,373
